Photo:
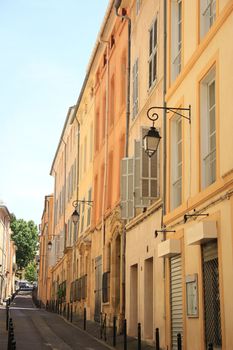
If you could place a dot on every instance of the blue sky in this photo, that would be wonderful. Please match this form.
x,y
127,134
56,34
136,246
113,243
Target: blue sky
x,y
45,46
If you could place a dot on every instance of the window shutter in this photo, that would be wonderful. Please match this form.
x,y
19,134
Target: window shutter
x,y
137,173
127,188
149,174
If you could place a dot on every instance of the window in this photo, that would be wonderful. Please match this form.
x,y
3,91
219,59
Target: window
x,y
123,79
139,180
85,155
138,4
97,131
103,116
153,53
89,208
208,129
176,37
82,217
112,101
135,88
91,142
176,162
110,178
207,15
106,286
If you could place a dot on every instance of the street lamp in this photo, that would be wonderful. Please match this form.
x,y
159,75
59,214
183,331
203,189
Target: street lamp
x,y
152,138
75,216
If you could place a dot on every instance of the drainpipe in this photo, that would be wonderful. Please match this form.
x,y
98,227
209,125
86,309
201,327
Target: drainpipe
x,y
124,16
64,196
106,145
77,186
164,139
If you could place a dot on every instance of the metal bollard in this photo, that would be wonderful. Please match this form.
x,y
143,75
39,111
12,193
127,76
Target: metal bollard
x,y
13,344
179,342
7,317
157,342
68,312
139,336
114,331
125,334
71,313
84,319
210,346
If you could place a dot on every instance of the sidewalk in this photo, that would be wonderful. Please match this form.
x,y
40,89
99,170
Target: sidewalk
x,y
3,332
93,328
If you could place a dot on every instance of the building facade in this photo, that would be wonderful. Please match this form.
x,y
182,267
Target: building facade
x,y
154,240
7,256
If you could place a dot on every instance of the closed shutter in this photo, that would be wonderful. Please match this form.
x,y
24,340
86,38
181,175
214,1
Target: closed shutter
x,y
127,188
176,300
213,333
149,174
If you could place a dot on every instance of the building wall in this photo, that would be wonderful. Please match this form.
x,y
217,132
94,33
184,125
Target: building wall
x,y
199,56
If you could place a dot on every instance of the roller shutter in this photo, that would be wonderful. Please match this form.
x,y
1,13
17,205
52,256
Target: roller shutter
x,y
176,300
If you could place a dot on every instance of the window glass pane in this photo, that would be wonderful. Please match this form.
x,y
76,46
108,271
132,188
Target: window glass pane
x,y
151,41
155,34
212,121
154,165
212,94
145,164
150,73
154,67
154,188
145,188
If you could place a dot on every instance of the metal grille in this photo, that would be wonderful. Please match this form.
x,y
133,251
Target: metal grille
x,y
176,299
211,295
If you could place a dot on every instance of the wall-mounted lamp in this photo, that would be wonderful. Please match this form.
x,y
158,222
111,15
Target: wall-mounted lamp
x,y
75,216
152,138
50,245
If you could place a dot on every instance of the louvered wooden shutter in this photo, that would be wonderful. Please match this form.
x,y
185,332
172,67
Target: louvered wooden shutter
x,y
149,174
127,188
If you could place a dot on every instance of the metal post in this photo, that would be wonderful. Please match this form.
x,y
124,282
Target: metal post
x,y
13,344
7,317
210,346
157,345
85,319
68,311
114,331
179,342
125,334
139,336
71,313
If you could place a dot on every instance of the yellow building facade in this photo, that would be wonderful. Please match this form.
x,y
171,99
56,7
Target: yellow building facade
x,y
154,239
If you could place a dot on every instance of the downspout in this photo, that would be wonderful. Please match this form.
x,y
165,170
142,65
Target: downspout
x,y
124,16
106,146
64,196
164,141
77,188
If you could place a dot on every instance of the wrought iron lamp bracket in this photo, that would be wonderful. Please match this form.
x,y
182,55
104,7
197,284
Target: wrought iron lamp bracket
x,y
164,231
186,216
75,203
154,116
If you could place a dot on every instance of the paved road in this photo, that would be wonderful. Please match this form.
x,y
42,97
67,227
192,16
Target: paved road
x,y
37,329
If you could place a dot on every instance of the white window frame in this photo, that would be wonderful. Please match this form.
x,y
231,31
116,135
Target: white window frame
x,y
153,53
176,38
207,15
135,89
176,162
208,150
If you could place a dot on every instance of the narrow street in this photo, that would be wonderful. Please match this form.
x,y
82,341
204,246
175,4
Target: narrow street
x,y
37,329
